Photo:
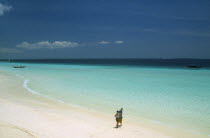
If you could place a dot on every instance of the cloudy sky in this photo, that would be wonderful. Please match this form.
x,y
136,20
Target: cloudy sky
x,y
105,29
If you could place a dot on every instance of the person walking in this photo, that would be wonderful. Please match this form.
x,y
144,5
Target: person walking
x,y
120,116
117,117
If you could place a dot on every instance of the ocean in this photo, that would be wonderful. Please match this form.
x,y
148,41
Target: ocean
x,y
162,91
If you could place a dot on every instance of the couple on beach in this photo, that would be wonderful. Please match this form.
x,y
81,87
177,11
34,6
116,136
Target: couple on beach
x,y
119,117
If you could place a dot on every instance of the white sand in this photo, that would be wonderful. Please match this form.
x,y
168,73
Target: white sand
x,y
24,115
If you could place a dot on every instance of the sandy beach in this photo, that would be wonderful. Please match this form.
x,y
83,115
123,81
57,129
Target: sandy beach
x,y
26,115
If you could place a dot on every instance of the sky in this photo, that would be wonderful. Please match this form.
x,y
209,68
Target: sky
x,y
31,29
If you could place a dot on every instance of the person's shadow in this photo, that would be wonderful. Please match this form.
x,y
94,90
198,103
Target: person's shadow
x,y
118,126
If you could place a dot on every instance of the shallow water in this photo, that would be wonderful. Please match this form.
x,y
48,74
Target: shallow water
x,y
179,97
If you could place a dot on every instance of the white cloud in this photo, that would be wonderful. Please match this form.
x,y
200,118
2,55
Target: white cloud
x,y
119,42
47,44
10,51
104,42
4,8
107,42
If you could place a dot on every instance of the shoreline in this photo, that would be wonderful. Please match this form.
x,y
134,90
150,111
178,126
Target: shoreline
x,y
56,116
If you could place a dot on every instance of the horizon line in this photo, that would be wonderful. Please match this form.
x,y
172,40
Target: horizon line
x,y
3,59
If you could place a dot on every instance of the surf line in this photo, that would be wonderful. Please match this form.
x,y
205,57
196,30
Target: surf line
x,y
25,85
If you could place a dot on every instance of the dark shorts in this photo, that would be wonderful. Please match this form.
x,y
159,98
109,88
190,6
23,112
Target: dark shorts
x,y
117,119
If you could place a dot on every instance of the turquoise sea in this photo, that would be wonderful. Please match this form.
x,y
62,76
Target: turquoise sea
x,y
172,96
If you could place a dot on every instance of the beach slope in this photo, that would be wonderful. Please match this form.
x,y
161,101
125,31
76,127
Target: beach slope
x,y
25,115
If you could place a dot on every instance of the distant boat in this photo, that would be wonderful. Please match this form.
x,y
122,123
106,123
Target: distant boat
x,y
19,66
193,66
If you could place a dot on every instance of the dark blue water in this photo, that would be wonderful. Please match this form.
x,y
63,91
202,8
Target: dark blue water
x,y
204,63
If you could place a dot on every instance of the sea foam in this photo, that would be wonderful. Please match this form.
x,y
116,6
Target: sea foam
x,y
25,85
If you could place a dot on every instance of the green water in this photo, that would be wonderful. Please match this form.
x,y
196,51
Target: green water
x,y
171,96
